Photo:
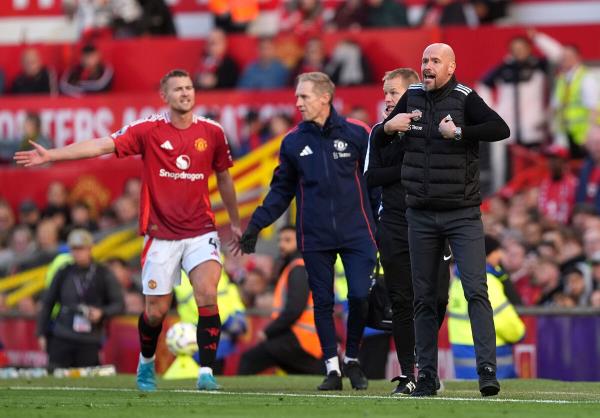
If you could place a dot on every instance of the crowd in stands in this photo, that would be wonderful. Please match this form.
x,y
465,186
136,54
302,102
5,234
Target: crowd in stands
x,y
35,236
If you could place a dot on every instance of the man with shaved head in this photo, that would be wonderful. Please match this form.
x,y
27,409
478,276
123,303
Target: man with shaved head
x,y
442,122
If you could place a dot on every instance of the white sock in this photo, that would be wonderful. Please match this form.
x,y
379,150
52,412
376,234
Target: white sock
x,y
349,359
206,370
145,360
332,364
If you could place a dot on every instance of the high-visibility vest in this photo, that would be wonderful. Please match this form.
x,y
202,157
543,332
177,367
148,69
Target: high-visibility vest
x,y
304,328
574,116
241,11
509,328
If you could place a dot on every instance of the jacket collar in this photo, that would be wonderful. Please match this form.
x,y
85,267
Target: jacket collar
x,y
442,92
334,120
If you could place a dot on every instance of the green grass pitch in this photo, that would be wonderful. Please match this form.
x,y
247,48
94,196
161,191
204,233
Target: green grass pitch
x,y
287,397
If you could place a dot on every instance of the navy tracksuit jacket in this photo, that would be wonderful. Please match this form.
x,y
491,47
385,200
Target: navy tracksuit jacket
x,y
322,167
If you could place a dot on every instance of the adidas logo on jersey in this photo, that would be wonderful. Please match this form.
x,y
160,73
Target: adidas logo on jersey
x,y
167,145
306,151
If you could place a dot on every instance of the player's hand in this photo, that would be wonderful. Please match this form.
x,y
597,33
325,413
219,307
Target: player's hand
x,y
447,127
37,156
234,244
248,239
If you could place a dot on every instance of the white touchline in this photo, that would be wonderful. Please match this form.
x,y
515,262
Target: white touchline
x,y
318,395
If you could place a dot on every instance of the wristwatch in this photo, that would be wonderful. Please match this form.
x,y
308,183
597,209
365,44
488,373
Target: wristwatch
x,y
458,133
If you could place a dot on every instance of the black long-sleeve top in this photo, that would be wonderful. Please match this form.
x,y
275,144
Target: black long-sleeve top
x,y
383,168
72,287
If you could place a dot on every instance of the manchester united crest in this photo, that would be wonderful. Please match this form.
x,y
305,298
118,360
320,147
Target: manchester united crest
x,y
201,144
152,284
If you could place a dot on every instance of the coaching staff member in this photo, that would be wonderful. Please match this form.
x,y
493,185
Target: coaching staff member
x,y
443,122
383,169
321,163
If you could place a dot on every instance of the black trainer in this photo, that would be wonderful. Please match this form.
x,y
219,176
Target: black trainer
x,y
488,384
358,380
333,381
426,386
406,385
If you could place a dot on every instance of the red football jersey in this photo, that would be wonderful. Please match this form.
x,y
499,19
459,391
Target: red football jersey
x,y
177,163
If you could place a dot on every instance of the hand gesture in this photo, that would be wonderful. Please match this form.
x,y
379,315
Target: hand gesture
x,y
37,156
248,239
234,244
447,127
399,123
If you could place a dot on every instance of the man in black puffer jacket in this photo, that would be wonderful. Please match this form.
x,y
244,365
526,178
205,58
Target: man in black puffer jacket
x,y
443,122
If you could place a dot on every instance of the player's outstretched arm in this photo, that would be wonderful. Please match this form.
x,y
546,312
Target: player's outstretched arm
x,y
85,149
227,191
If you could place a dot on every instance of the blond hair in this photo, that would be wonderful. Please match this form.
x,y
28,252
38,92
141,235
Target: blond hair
x,y
409,75
171,74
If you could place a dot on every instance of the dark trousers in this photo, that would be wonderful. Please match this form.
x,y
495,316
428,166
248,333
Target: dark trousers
x,y
282,351
359,263
71,353
464,230
395,260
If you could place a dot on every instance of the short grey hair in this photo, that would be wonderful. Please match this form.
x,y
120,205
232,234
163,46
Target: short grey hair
x,y
321,82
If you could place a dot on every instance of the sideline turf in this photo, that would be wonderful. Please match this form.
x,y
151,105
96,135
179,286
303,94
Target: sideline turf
x,y
287,397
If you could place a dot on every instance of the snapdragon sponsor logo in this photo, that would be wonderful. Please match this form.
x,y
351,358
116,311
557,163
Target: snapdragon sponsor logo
x,y
181,176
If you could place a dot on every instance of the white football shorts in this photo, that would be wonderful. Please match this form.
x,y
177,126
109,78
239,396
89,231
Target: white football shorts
x,y
163,260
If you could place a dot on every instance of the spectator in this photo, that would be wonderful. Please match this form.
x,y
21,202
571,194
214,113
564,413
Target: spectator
x,y
360,113
254,290
348,66
108,220
546,278
7,222
21,246
520,82
290,340
91,75
133,189
81,217
29,214
489,11
595,299
156,18
234,15
577,286
385,13
32,132
349,15
251,135
217,70
588,189
314,58
132,291
34,78
575,97
267,72
280,124
57,207
557,189
303,18
126,210
88,294
448,13
47,238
